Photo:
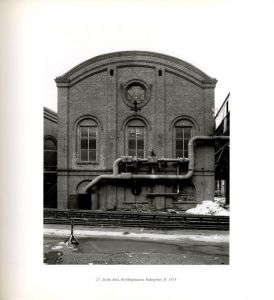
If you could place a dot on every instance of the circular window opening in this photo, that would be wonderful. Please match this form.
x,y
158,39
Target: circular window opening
x,y
136,93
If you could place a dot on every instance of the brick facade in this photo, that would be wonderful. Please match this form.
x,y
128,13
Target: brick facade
x,y
93,90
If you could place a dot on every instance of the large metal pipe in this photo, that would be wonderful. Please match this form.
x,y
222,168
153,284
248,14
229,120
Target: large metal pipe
x,y
116,165
129,176
200,138
131,159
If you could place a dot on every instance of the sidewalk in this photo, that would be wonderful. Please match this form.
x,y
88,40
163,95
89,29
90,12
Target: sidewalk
x,y
138,233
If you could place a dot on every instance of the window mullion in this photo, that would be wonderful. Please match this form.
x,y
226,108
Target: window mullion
x,y
95,144
136,141
144,140
80,143
88,142
183,142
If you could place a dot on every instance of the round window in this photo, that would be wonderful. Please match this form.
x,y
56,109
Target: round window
x,y
135,93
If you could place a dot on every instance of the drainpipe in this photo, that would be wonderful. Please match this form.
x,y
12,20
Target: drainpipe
x,y
129,176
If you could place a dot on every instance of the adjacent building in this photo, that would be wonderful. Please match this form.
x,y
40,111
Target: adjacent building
x,y
50,158
222,123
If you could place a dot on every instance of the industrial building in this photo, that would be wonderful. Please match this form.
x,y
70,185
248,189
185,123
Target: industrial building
x,y
135,131
222,124
50,158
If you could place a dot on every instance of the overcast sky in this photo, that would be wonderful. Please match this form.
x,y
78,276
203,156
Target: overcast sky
x,y
61,35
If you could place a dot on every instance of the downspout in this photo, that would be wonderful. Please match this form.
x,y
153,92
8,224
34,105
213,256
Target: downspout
x,y
129,176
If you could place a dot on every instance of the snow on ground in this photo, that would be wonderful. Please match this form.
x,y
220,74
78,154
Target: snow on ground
x,y
208,207
220,200
220,237
59,246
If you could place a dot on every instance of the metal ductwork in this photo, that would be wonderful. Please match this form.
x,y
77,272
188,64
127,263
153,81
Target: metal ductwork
x,y
130,176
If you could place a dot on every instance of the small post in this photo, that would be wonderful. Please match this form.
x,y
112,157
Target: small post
x,y
72,239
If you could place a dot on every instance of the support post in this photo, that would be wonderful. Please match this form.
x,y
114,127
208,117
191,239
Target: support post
x,y
72,239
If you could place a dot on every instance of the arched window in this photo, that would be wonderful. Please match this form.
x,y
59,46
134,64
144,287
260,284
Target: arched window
x,y
50,154
87,132
183,132
136,138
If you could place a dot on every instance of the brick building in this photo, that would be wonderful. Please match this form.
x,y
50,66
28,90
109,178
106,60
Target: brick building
x,y
50,158
125,120
222,123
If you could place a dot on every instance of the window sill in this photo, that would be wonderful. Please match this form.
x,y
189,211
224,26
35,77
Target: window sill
x,y
185,202
136,203
87,162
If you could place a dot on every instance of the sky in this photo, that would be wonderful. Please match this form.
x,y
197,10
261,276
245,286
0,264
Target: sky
x,y
229,40
59,36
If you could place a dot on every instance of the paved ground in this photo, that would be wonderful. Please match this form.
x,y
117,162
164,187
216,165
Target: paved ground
x,y
135,246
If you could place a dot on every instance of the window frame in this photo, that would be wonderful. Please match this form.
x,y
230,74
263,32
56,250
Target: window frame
x,y
88,123
182,123
136,123
50,167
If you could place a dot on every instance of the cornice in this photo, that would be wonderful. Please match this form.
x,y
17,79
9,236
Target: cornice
x,y
62,82
50,114
136,56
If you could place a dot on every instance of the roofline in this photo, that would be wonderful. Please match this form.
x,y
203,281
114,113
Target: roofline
x,y
222,105
50,114
65,76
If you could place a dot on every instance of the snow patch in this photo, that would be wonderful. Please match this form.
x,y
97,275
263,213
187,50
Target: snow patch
x,y
56,247
220,200
208,207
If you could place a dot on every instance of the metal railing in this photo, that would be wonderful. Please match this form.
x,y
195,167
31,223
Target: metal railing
x,y
149,220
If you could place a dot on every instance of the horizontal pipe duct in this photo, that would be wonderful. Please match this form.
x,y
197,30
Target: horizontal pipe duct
x,y
130,176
